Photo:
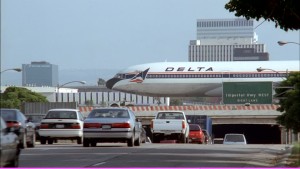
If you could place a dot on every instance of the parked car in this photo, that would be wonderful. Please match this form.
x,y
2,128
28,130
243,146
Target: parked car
x,y
112,124
10,149
66,124
24,129
233,138
196,134
208,139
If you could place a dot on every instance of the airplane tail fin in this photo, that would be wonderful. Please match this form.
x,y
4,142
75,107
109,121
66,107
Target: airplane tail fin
x,y
140,77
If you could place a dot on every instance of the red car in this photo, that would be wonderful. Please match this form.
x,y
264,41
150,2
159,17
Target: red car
x,y
196,134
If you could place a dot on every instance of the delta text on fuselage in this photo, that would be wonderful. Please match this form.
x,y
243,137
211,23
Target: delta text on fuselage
x,y
189,69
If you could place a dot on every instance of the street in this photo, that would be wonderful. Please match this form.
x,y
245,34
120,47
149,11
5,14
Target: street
x,y
152,155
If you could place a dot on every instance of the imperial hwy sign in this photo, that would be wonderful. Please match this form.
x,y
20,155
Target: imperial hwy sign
x,y
247,92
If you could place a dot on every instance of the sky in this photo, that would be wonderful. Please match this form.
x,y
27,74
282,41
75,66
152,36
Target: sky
x,y
89,35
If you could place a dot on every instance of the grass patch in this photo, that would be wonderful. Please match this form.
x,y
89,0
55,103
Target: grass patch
x,y
294,159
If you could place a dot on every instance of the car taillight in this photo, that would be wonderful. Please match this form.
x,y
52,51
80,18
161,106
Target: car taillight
x,y
13,124
44,126
92,125
75,126
120,125
183,124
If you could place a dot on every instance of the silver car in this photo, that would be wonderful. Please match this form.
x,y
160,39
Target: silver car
x,y
9,146
112,124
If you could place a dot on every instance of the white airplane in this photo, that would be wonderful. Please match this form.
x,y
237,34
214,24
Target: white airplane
x,y
191,79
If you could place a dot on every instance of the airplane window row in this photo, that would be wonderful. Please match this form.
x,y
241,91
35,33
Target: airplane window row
x,y
235,75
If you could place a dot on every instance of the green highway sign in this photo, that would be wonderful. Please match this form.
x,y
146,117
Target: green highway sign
x,y
247,92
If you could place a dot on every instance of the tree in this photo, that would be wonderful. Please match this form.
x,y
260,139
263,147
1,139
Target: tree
x,y
290,103
285,13
14,96
176,102
101,82
89,102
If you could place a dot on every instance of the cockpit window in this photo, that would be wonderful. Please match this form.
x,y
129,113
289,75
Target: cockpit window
x,y
124,76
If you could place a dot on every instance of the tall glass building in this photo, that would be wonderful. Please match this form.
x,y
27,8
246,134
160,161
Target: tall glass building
x,y
39,74
226,40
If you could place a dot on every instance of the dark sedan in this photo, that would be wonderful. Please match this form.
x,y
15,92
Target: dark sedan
x,y
9,146
23,128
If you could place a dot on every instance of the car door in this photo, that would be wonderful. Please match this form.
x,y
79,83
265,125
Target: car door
x,y
137,125
8,144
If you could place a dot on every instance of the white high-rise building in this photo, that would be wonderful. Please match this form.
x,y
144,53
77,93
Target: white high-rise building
x,y
226,40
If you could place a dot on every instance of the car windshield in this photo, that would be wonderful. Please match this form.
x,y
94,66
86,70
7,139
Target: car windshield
x,y
109,113
195,128
61,115
234,138
8,115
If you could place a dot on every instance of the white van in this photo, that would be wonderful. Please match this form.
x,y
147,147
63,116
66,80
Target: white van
x,y
233,138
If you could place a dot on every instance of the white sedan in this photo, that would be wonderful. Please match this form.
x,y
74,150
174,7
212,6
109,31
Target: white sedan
x,y
61,124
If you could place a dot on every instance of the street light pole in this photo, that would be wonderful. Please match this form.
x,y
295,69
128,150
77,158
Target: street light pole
x,y
281,43
15,69
260,69
59,86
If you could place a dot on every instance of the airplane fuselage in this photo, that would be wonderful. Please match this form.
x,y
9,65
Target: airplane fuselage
x,y
190,79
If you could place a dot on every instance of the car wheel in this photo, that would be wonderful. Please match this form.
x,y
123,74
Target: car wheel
x,y
86,142
43,140
32,143
137,142
14,162
156,139
79,140
23,143
50,141
130,141
93,143
183,139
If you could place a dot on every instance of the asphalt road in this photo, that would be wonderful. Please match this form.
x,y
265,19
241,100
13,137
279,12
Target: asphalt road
x,y
153,155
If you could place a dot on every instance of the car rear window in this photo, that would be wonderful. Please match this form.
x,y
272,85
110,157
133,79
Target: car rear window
x,y
8,115
61,115
194,128
234,138
108,113
170,115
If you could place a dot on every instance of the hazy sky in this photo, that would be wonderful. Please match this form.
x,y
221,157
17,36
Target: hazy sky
x,y
114,34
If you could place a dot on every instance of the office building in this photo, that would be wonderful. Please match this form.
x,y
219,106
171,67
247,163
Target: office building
x,y
39,74
226,40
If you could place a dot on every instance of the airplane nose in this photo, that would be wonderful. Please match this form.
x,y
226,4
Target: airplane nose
x,y
111,82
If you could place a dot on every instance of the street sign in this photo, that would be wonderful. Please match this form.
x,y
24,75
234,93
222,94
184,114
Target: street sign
x,y
247,93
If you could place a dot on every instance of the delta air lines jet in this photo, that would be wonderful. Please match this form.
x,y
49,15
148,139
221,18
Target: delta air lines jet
x,y
190,79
